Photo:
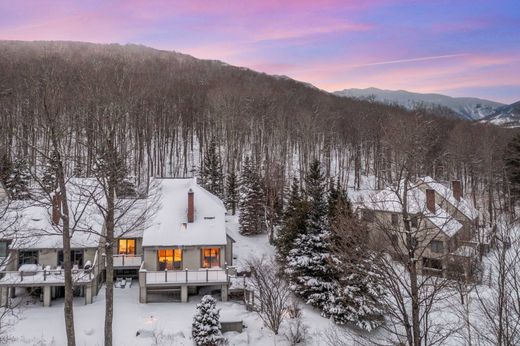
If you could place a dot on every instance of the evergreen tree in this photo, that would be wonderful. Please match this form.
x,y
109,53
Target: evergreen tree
x,y
18,181
310,264
358,288
6,167
293,222
252,208
48,180
211,175
206,330
232,192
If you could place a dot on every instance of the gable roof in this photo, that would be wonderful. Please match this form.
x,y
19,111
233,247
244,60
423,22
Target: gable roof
x,y
169,225
445,192
390,200
28,222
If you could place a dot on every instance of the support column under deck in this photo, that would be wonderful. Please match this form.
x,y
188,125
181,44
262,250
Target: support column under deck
x,y
46,296
184,294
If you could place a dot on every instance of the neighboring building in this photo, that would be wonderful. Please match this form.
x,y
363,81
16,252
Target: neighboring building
x,y
444,222
32,240
184,246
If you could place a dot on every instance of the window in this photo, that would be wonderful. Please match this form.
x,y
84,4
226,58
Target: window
x,y
76,257
126,247
27,257
432,263
3,249
210,257
368,215
414,221
437,246
395,219
170,259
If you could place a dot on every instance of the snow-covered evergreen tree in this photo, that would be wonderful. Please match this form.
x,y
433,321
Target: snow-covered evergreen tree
x,y
232,192
211,176
310,264
206,330
358,290
18,181
293,221
252,208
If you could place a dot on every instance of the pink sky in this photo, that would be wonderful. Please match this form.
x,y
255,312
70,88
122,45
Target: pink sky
x,y
459,48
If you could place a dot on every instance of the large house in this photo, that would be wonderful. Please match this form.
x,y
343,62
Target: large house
x,y
443,224
184,246
181,246
31,244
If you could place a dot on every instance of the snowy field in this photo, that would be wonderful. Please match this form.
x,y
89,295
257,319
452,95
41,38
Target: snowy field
x,y
167,323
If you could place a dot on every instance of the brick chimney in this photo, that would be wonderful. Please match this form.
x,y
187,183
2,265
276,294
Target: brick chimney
x,y
456,186
191,206
56,209
430,200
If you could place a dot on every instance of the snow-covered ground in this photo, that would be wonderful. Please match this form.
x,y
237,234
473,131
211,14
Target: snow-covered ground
x,y
167,323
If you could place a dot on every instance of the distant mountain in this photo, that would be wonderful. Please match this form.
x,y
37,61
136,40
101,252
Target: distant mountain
x,y
464,107
507,116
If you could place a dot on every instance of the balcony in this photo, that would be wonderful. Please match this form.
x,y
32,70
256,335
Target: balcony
x,y
127,261
185,277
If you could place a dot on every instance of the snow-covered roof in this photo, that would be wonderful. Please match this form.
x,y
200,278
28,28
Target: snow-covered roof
x,y
391,200
131,217
170,227
445,192
28,223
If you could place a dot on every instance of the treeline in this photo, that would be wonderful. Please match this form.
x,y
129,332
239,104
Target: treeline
x,y
172,110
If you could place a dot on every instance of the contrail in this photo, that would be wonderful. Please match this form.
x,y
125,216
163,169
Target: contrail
x,y
425,58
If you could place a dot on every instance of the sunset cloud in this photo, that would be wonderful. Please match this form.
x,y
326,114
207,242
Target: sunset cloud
x,y
450,47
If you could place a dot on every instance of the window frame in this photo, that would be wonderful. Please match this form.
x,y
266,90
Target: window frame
x,y
170,265
438,247
6,244
23,255
126,240
73,256
203,257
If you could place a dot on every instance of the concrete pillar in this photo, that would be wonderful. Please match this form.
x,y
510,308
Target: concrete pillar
x,y
46,295
88,294
224,293
4,296
184,294
142,295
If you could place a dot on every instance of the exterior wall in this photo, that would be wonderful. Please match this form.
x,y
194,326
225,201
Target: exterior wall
x,y
191,257
89,255
150,258
48,257
229,251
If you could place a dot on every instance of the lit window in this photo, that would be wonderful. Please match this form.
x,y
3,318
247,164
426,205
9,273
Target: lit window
x,y
210,257
170,259
126,246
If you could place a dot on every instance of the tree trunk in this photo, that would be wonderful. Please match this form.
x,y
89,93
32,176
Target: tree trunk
x,y
67,263
109,248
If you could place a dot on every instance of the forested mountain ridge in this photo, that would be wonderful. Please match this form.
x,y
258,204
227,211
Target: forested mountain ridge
x,y
165,107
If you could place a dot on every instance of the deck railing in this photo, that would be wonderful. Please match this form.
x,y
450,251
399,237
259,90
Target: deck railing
x,y
127,261
186,276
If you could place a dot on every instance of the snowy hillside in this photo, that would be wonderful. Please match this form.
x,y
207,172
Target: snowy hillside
x,y
508,116
465,107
